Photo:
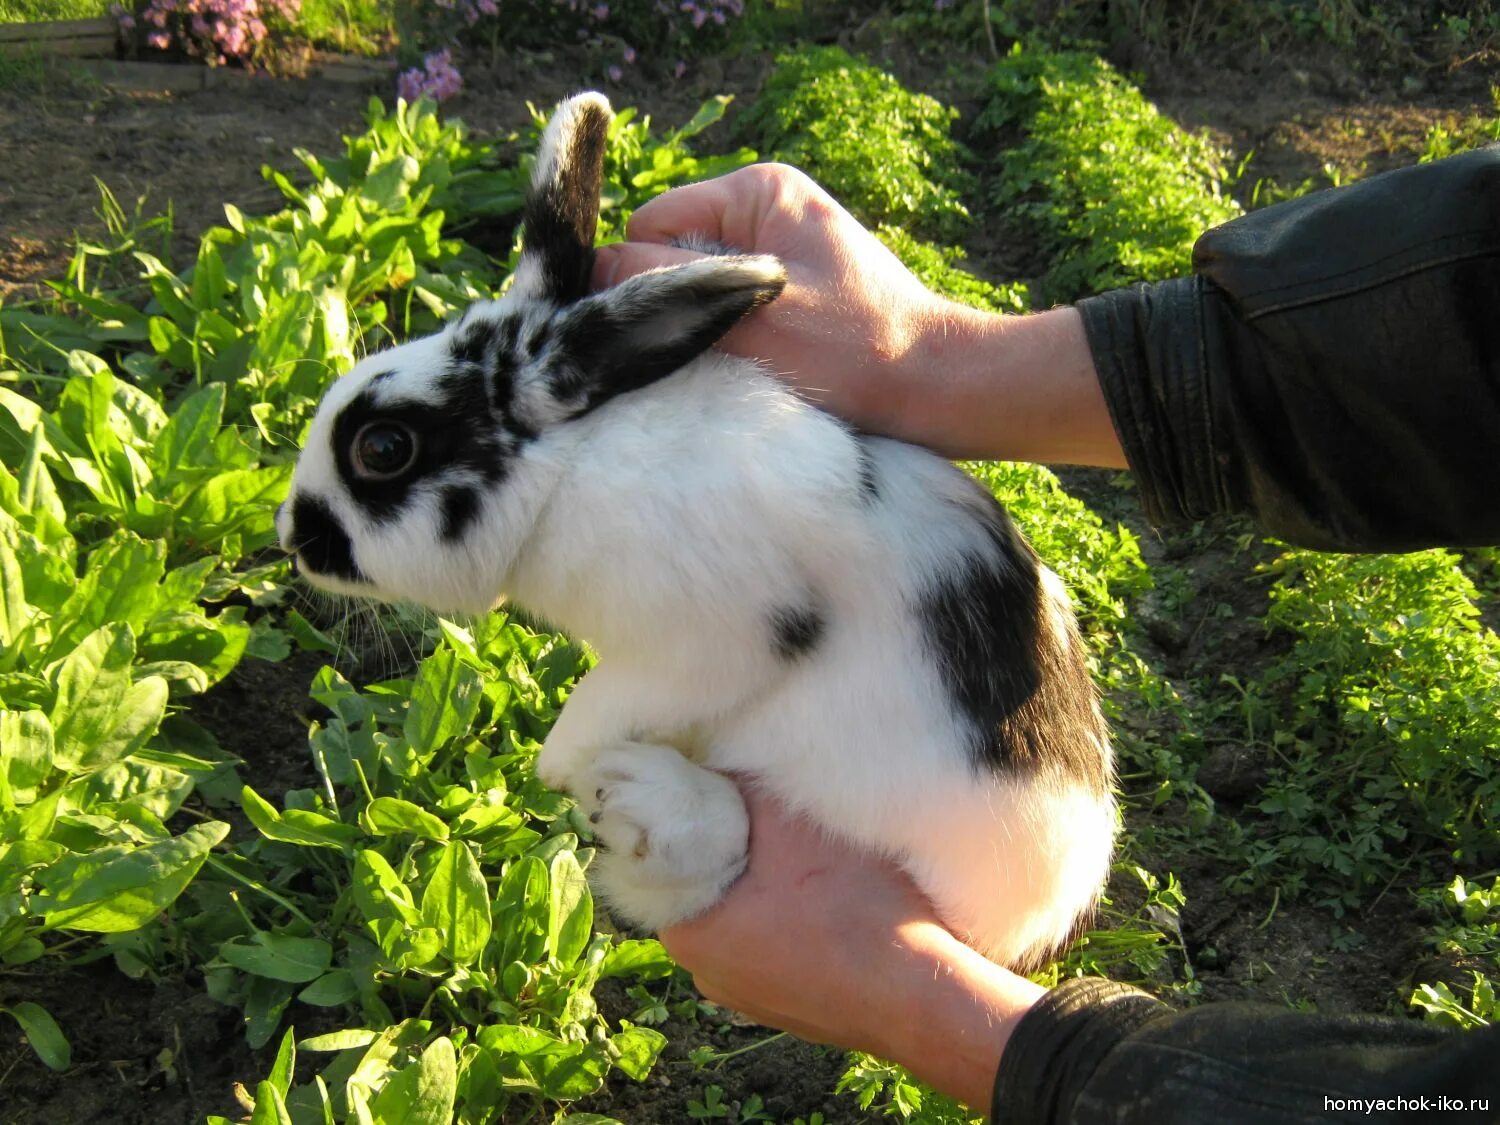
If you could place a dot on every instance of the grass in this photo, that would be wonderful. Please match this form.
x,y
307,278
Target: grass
x,y
36,11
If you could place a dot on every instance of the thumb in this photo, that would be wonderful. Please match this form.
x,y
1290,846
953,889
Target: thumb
x,y
618,260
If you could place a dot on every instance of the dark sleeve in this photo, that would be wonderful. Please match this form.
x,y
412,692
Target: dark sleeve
x,y
1332,370
1093,1051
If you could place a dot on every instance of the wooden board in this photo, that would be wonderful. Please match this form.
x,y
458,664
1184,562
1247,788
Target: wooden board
x,y
97,38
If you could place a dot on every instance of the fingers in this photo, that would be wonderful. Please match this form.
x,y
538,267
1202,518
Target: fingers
x,y
618,260
731,209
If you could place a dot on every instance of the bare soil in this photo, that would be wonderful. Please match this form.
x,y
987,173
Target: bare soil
x,y
163,1052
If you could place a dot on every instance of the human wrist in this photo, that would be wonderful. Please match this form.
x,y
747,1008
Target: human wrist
x,y
952,1014
980,385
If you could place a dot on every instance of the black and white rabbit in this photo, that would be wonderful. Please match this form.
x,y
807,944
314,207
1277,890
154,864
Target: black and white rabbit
x,y
850,622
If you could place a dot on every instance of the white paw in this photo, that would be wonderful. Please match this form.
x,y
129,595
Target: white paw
x,y
559,767
676,834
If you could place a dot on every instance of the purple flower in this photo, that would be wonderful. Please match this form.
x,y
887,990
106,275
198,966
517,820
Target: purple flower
x,y
601,11
437,78
628,55
680,69
615,73
158,40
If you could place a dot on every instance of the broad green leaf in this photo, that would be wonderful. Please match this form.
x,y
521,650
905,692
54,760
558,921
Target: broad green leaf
x,y
340,1040
128,788
25,751
386,816
265,1002
297,826
240,501
295,960
330,990
523,907
308,636
456,903
709,113
444,701
422,1094
379,892
139,715
186,443
643,958
285,1064
92,682
639,1048
570,921
389,186
121,888
270,1105
42,1032
375,1064
119,587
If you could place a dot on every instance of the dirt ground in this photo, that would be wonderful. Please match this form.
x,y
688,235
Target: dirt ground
x,y
163,1052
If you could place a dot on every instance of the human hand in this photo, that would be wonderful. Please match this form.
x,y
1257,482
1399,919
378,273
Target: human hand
x,y
846,323
838,946
855,332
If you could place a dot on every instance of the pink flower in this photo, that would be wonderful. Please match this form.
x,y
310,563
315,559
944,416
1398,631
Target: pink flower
x,y
601,11
629,55
489,7
158,40
680,69
615,73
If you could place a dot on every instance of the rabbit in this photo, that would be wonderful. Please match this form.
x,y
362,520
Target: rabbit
x,y
849,622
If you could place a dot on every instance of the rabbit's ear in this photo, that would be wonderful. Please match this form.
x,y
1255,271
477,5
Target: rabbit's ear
x,y
562,206
651,324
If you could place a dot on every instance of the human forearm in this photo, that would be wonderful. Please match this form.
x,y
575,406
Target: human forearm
x,y
1018,388
953,1017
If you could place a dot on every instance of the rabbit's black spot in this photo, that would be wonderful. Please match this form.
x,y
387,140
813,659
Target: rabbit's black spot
x,y
795,631
471,344
455,435
460,509
869,483
321,541
485,350
989,623
538,338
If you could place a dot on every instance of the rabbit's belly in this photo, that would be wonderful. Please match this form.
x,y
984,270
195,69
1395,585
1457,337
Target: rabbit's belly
x,y
1010,858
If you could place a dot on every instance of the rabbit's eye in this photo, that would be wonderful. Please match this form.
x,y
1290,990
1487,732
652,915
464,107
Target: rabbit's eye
x,y
383,450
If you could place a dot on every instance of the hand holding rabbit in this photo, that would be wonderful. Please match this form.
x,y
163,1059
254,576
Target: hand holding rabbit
x,y
856,333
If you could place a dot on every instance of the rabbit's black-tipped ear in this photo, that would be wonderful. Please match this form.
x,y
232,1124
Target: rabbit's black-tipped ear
x,y
562,205
651,324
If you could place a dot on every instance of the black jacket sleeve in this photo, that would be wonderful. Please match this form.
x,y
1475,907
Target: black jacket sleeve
x,y
1332,370
1093,1051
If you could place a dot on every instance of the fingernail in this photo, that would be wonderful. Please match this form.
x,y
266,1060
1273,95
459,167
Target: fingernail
x,y
606,266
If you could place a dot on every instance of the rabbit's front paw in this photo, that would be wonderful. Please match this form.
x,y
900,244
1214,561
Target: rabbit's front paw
x,y
676,833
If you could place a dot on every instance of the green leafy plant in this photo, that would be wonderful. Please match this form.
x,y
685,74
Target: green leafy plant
x,y
1117,191
1389,747
885,151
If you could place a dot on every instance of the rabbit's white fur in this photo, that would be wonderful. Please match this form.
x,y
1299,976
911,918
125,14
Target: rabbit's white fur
x,y
667,527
